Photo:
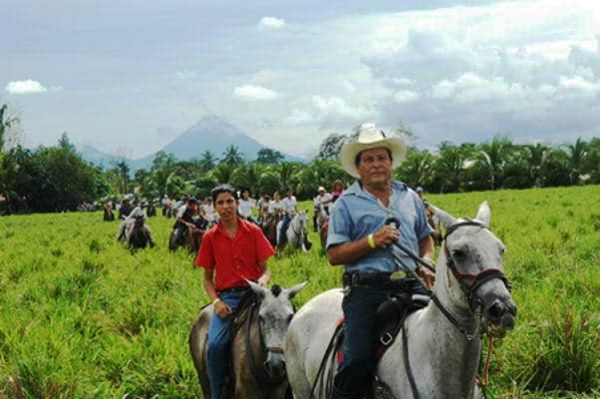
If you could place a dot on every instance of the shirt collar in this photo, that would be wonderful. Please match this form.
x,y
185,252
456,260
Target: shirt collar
x,y
356,189
241,227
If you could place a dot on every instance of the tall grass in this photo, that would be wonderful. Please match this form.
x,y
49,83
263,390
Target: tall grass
x,y
82,317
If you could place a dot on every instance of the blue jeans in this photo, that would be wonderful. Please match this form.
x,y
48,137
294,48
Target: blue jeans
x,y
360,310
219,340
284,227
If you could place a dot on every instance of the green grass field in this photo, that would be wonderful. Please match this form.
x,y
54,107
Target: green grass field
x,y
81,317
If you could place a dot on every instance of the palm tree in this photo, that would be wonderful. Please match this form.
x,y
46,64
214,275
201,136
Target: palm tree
x,y
537,155
577,153
493,155
122,168
416,170
232,156
208,161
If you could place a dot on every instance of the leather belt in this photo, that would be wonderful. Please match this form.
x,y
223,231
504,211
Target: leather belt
x,y
243,288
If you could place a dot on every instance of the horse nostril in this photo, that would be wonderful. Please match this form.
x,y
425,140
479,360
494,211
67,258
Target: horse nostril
x,y
496,311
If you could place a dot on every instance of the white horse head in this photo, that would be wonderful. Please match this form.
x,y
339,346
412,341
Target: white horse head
x,y
298,230
474,278
274,317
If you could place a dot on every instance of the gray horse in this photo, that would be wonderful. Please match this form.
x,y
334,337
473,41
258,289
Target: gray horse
x,y
443,339
297,231
257,354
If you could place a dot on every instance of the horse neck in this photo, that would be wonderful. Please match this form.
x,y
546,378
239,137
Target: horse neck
x,y
453,357
441,358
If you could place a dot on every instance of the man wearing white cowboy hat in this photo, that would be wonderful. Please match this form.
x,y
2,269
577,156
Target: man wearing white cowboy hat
x,y
323,198
358,238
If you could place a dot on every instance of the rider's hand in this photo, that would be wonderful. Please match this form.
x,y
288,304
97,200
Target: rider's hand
x,y
386,235
263,280
427,275
222,309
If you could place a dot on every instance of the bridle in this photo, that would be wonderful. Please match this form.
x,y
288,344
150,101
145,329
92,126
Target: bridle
x,y
469,283
260,373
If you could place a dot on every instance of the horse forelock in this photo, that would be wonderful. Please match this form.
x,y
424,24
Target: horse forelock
x,y
276,290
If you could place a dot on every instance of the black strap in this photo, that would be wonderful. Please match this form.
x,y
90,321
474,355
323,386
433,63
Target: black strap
x,y
466,222
331,349
411,377
259,373
452,319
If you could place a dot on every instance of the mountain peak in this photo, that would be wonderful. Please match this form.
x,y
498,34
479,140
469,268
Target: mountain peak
x,y
213,123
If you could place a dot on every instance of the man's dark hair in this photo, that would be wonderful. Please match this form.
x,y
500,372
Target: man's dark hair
x,y
357,159
223,188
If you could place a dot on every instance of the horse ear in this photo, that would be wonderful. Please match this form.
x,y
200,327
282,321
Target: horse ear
x,y
258,290
484,214
446,218
296,289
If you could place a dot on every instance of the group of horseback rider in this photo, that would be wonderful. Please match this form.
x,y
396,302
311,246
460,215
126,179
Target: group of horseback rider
x,y
359,235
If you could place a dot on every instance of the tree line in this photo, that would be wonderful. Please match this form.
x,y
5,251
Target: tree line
x,y
57,178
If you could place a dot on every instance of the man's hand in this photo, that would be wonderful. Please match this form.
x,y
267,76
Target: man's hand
x,y
263,280
386,235
222,309
427,275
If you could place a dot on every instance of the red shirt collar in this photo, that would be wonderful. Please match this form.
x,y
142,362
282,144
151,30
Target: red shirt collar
x,y
242,226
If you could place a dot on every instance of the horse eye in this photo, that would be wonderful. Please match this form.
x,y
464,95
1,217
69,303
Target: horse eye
x,y
502,250
458,253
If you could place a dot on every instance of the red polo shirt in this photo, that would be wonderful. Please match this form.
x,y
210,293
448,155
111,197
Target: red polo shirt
x,y
234,259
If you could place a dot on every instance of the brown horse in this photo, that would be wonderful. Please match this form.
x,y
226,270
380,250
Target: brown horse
x,y
109,216
139,236
151,210
192,239
269,228
257,359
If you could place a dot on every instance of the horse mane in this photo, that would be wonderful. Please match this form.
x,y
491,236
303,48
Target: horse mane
x,y
276,290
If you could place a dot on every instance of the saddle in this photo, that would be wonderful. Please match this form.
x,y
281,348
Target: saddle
x,y
390,318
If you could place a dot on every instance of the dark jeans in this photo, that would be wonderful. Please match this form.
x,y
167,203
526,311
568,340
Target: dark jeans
x,y
283,231
360,311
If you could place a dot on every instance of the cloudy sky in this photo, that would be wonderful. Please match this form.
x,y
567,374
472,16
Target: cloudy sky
x,y
134,74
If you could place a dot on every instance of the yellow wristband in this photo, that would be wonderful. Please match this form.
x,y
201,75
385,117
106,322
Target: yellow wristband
x,y
371,241
217,300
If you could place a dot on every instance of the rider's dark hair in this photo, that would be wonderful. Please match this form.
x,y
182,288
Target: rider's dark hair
x,y
357,159
223,188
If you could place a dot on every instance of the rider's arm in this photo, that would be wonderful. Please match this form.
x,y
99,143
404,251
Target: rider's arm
x,y
426,248
266,274
221,308
209,285
350,252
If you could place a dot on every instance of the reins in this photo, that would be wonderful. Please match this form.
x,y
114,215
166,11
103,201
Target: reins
x,y
258,372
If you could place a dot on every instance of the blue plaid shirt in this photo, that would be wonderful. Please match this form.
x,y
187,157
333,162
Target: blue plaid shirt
x,y
358,213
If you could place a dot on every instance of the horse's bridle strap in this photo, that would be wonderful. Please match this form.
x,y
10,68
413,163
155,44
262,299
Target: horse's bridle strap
x,y
274,349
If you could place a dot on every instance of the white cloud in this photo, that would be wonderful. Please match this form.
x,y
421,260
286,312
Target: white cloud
x,y
336,111
271,23
578,83
25,87
254,93
406,96
299,117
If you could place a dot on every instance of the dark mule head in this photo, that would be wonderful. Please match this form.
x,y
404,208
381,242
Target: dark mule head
x,y
474,257
274,317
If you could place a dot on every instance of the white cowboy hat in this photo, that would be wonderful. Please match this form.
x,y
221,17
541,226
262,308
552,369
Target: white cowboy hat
x,y
370,137
321,188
